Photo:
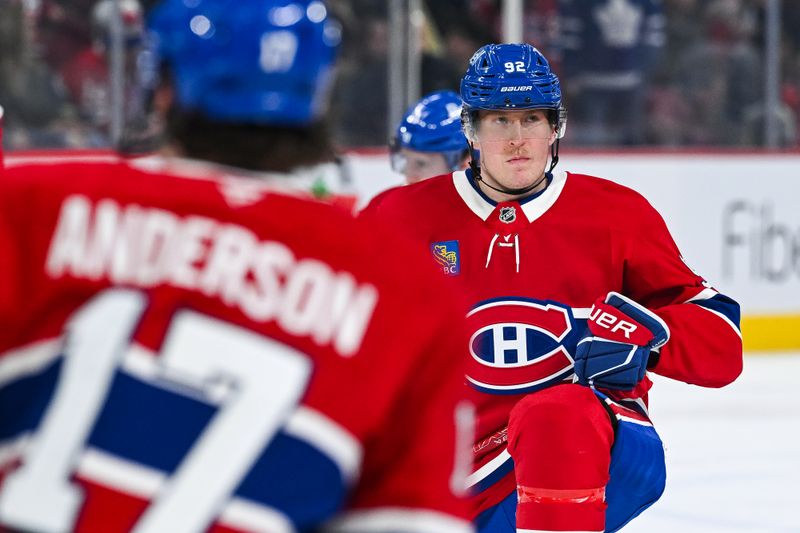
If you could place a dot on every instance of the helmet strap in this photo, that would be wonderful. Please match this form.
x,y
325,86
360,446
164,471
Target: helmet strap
x,y
473,163
553,156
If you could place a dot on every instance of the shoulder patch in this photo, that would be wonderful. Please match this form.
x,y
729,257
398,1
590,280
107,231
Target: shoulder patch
x,y
447,256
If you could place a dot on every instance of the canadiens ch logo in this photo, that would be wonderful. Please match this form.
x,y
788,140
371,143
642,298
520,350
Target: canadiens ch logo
x,y
508,214
520,345
446,255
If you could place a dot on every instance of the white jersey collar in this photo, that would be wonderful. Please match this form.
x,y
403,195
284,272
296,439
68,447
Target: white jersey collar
x,y
301,179
301,182
533,208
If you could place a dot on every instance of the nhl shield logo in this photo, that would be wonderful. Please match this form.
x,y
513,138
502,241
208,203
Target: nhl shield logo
x,y
520,345
508,214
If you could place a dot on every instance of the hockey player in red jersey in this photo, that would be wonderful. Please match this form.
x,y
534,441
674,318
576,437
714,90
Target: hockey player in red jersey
x,y
577,291
187,345
429,140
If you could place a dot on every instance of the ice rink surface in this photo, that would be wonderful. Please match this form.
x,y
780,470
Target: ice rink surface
x,y
733,454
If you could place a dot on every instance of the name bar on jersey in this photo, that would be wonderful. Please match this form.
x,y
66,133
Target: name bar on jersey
x,y
144,247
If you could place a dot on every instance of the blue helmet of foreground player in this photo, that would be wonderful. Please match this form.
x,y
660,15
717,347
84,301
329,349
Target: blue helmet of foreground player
x,y
248,61
509,77
433,125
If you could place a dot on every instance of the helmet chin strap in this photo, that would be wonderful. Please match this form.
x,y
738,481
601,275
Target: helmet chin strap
x,y
553,155
476,172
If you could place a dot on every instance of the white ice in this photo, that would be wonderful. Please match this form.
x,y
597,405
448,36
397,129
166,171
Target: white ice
x,y
733,454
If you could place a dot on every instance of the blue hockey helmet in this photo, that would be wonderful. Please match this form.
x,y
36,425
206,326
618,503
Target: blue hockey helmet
x,y
507,77
432,125
248,61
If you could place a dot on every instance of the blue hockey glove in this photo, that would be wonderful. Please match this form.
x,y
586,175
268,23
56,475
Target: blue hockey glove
x,y
614,351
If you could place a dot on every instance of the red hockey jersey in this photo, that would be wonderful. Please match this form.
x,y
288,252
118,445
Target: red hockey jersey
x,y
184,350
532,271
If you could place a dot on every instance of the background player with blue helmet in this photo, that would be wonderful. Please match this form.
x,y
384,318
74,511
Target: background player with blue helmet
x,y
429,141
252,98
190,344
577,292
273,117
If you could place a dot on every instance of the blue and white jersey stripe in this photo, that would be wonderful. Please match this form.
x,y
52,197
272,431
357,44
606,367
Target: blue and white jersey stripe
x,y
148,426
722,306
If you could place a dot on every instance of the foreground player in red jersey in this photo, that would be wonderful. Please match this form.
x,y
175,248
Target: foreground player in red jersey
x,y
577,291
185,348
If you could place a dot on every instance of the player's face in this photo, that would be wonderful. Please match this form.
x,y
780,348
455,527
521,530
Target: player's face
x,y
514,146
423,165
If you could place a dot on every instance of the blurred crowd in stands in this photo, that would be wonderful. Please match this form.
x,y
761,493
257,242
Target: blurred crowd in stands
x,y
674,73
55,72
